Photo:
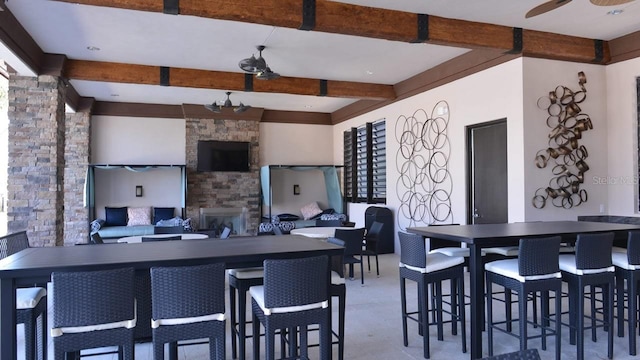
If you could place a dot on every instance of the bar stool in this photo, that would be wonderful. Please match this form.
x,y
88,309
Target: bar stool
x,y
426,269
294,295
93,309
31,303
240,281
590,266
535,270
627,263
188,304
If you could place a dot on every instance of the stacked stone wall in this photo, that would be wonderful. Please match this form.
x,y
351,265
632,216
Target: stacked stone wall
x,y
223,189
76,157
36,136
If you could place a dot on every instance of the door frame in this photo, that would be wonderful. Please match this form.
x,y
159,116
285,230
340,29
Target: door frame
x,y
469,168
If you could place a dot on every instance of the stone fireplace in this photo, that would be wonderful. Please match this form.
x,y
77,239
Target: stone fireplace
x,y
216,219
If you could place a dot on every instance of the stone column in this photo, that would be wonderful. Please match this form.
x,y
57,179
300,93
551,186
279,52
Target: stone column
x,y
77,153
36,158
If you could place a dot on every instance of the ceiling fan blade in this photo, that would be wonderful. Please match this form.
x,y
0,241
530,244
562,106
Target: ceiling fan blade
x,y
609,2
213,107
546,7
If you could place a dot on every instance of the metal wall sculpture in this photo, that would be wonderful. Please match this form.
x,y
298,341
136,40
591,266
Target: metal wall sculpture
x,y
565,155
424,185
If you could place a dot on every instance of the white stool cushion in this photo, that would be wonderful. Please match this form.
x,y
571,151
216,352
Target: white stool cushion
x,y
435,262
28,298
455,251
509,268
155,323
247,273
336,279
621,260
503,250
567,249
55,332
618,249
568,264
257,293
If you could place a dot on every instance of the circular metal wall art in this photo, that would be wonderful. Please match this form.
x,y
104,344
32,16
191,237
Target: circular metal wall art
x,y
424,185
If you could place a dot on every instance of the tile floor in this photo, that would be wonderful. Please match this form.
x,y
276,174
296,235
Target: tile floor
x,y
373,329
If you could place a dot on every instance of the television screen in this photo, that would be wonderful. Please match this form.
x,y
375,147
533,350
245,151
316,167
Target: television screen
x,y
223,155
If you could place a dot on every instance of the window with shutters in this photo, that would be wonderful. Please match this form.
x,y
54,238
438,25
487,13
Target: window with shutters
x,y
365,163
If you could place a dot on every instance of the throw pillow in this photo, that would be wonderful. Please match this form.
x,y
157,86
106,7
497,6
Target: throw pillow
x,y
310,210
115,216
162,213
139,216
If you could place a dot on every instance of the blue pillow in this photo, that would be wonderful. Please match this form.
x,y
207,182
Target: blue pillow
x,y
162,213
115,216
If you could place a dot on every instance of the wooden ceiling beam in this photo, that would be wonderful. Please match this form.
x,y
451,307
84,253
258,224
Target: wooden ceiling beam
x,y
356,20
203,79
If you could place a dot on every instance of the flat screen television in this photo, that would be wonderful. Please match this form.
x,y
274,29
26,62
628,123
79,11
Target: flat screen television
x,y
223,156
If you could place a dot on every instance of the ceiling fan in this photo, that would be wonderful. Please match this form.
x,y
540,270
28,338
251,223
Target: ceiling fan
x,y
227,104
554,4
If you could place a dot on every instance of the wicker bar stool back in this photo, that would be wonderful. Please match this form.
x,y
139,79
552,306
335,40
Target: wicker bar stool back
x,y
31,303
352,249
590,266
425,269
240,281
294,295
93,309
536,270
371,244
188,303
627,263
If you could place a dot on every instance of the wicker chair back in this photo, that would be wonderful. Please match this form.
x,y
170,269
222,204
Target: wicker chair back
x,y
294,282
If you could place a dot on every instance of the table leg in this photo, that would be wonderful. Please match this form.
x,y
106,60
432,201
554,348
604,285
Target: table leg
x,y
476,274
7,320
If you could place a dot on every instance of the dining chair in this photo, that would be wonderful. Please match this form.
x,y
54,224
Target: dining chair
x,y
371,239
93,309
168,229
96,239
352,249
188,304
627,264
294,295
536,269
591,265
425,269
164,238
31,303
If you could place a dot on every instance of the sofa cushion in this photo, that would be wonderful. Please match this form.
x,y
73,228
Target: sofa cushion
x,y
111,232
139,216
162,213
115,216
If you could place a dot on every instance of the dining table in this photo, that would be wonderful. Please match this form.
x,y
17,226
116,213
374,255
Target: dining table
x,y
319,232
35,265
138,238
479,236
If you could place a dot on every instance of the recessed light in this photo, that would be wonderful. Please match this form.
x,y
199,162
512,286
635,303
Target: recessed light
x,y
369,72
308,106
93,48
615,12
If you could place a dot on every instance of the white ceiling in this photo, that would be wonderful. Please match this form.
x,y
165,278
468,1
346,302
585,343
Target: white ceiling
x,y
189,42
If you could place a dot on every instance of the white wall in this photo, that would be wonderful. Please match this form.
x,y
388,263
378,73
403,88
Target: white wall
x,y
296,144
489,95
133,140
312,188
540,77
622,123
